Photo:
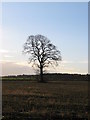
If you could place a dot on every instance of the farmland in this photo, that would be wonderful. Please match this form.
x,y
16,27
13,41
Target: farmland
x,y
54,100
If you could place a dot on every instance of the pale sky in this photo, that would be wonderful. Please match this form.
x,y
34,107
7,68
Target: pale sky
x,y
65,24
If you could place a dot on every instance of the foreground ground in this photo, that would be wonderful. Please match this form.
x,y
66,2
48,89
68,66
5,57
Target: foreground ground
x,y
25,100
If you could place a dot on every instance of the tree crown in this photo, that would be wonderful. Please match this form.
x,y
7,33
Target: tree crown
x,y
41,50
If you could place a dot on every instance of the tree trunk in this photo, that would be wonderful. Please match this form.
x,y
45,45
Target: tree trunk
x,y
41,73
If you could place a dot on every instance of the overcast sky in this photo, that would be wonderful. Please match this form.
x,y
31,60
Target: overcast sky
x,y
65,24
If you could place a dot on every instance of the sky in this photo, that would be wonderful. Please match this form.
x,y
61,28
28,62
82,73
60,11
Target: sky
x,y
65,24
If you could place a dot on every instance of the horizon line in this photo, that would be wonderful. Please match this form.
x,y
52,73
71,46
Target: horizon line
x,y
44,74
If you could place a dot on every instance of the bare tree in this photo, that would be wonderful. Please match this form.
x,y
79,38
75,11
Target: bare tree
x,y
41,51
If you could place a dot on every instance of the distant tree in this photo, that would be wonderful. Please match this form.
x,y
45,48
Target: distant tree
x,y
41,51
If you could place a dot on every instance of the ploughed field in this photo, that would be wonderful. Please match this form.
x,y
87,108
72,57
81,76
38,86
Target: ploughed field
x,y
27,100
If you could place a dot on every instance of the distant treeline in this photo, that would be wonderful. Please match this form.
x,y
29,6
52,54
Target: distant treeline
x,y
49,77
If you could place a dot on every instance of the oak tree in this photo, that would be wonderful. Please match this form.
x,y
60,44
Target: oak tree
x,y
41,51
